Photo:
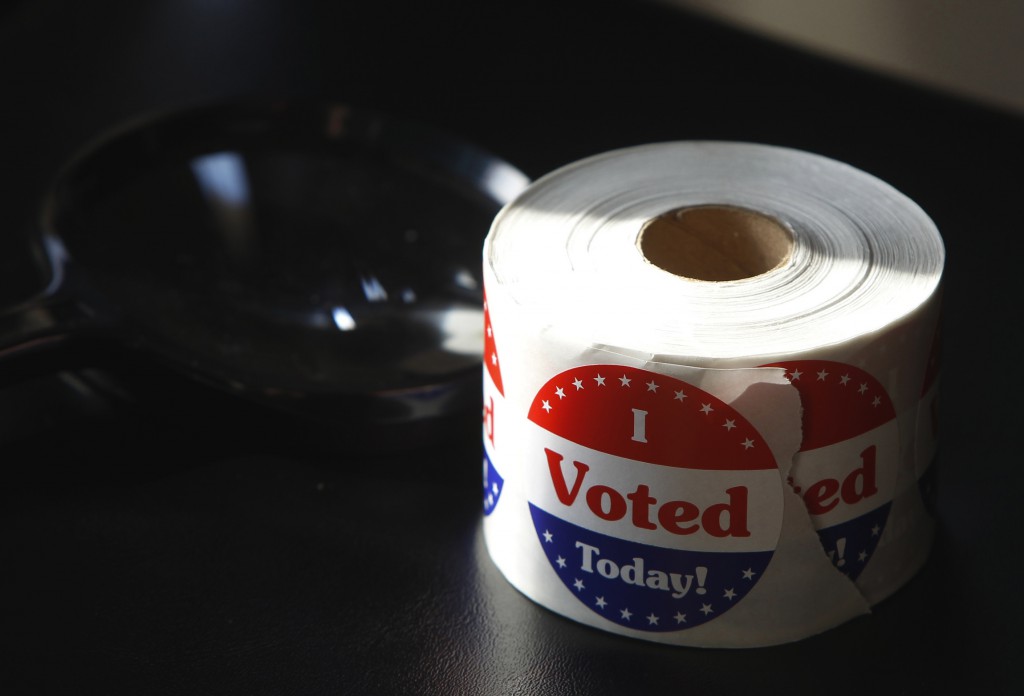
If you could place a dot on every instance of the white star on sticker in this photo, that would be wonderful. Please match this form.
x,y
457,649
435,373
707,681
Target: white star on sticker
x,y
626,614
822,375
600,602
651,386
494,358
559,392
876,401
600,380
548,536
863,388
795,375
652,619
844,379
730,594
706,408
494,487
749,574
875,530
862,556
680,617
706,609
748,443
560,561
625,380
489,332
578,584
680,395
729,424
578,383
546,406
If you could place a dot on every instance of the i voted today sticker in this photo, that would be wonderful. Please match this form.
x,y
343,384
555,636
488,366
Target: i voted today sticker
x,y
657,505
494,396
846,468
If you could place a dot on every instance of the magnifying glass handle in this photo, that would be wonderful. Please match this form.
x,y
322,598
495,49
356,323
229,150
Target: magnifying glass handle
x,y
35,336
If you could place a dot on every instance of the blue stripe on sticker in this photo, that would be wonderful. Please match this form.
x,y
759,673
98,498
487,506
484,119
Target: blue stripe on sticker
x,y
493,485
851,544
644,587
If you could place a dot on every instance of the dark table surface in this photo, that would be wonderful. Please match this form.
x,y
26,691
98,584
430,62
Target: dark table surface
x,y
153,543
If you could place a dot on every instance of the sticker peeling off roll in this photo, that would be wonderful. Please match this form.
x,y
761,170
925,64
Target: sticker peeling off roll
x,y
709,391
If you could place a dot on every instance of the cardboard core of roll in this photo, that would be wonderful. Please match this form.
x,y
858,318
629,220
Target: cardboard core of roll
x,y
715,242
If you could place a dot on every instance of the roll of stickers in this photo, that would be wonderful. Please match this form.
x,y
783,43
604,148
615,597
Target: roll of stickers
x,y
709,392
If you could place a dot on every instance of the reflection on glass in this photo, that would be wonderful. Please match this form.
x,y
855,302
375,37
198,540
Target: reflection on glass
x,y
502,181
462,330
342,319
373,290
277,263
222,179
464,279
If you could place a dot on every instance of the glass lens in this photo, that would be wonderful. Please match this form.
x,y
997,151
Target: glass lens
x,y
290,251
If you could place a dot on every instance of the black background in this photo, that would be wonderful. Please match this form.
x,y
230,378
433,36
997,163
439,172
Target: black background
x,y
151,545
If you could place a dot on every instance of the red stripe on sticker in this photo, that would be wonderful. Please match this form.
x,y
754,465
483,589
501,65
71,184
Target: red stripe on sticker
x,y
648,417
840,401
491,350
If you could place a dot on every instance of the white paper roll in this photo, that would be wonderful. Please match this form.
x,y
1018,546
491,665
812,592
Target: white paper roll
x,y
708,392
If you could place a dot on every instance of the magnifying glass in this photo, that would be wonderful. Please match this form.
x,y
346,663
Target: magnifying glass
x,y
316,258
